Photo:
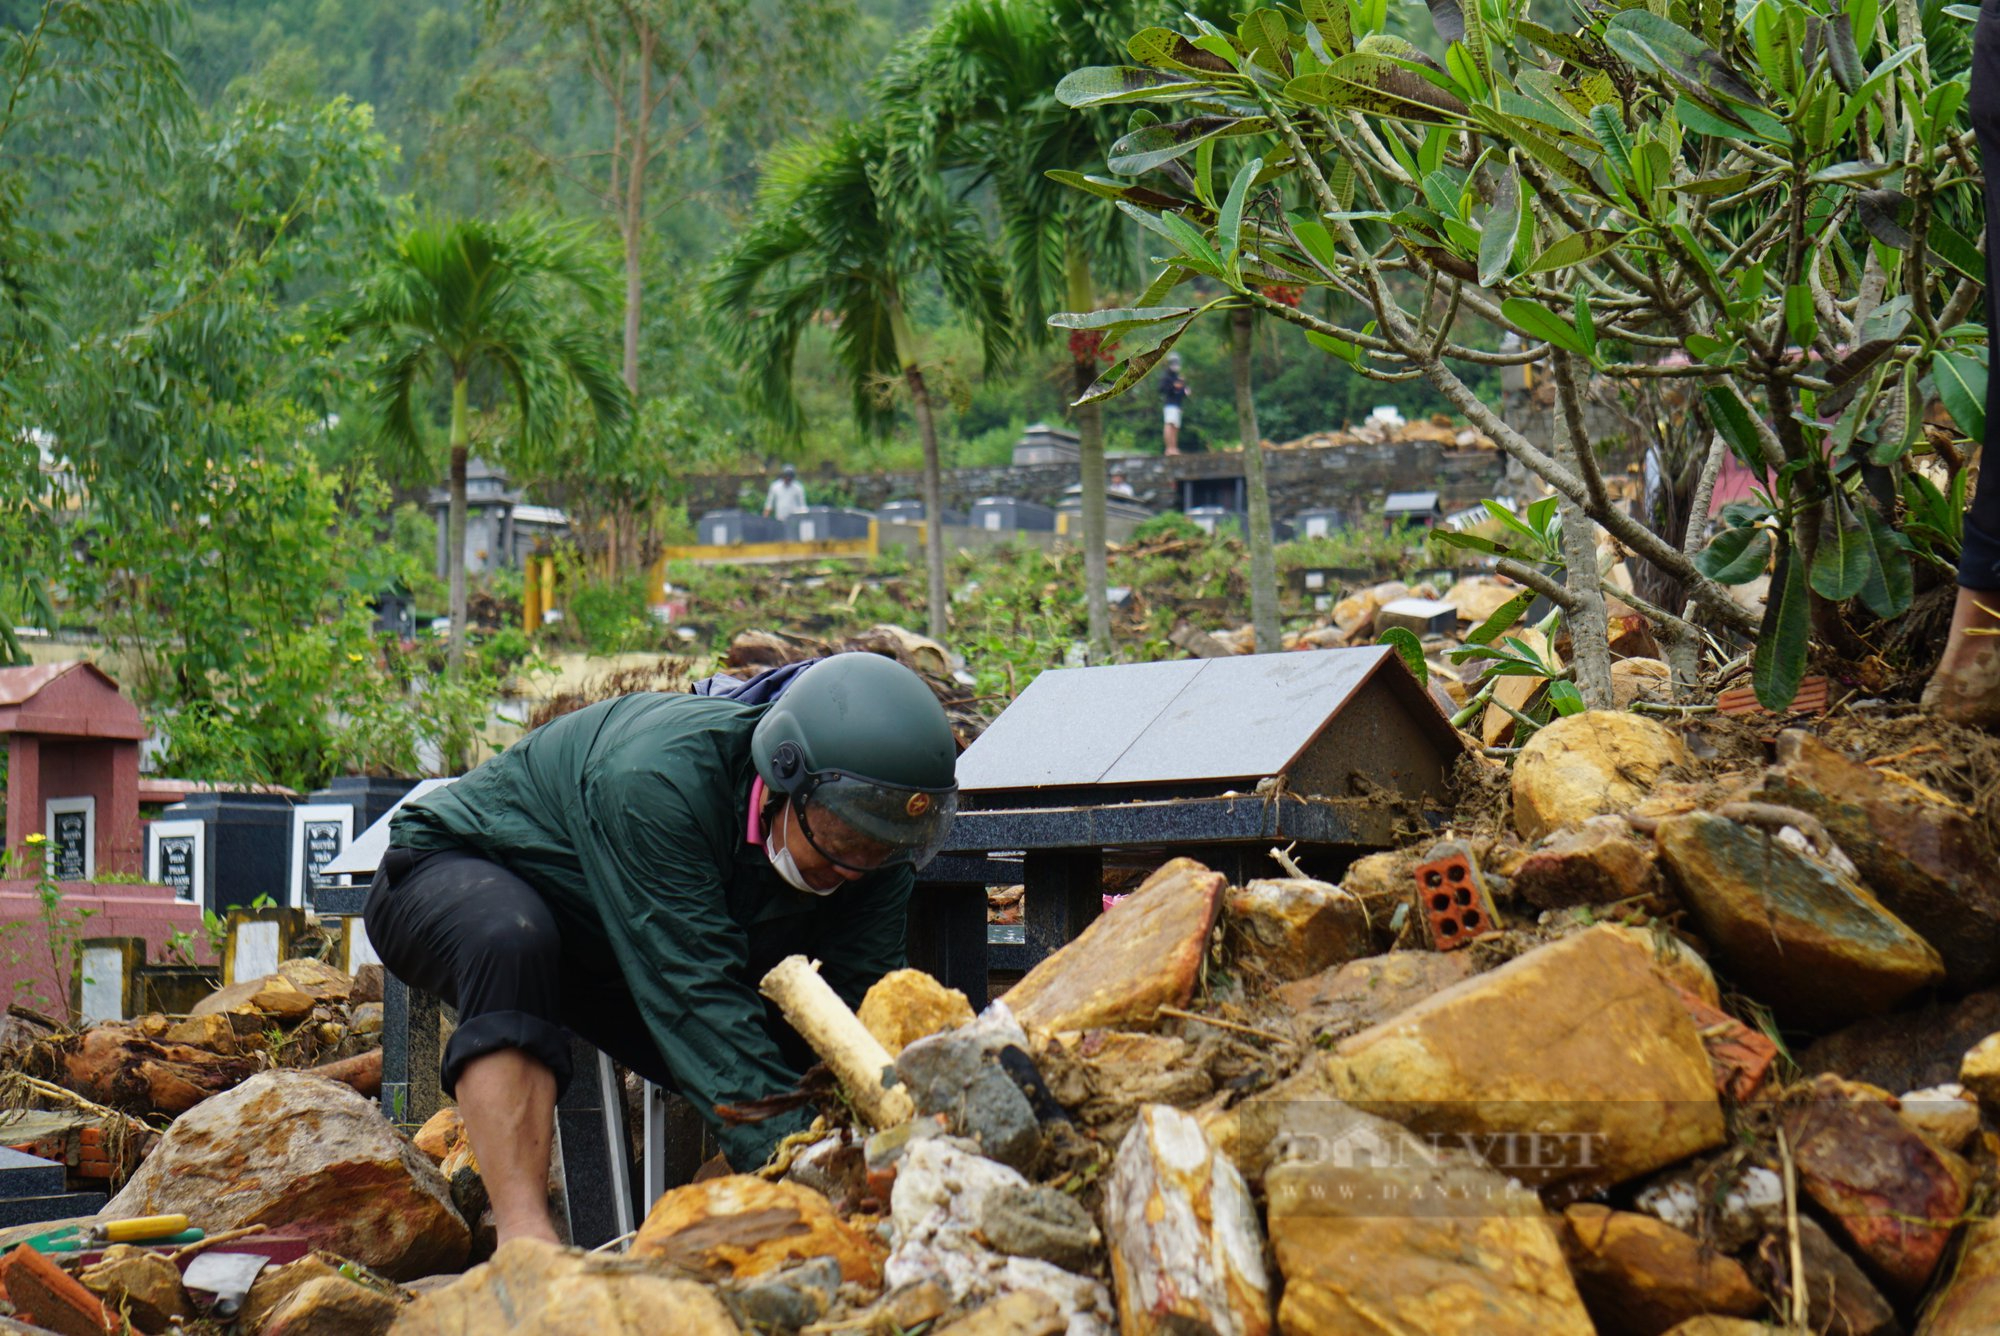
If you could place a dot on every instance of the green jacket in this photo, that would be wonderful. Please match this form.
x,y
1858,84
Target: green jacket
x,y
629,818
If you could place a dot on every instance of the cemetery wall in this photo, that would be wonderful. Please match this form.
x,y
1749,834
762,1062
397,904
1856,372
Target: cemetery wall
x,y
1347,477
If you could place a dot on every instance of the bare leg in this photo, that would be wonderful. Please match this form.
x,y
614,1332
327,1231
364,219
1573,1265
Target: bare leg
x,y
1173,439
1966,688
508,1101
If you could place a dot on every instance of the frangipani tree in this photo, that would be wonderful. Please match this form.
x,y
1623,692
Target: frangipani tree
x,y
1771,204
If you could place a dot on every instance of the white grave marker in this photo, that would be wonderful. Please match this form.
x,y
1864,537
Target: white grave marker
x,y
319,832
177,856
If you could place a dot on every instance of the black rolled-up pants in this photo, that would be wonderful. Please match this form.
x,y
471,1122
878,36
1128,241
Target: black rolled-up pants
x,y
473,933
1979,559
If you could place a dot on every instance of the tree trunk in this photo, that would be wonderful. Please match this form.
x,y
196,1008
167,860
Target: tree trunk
x,y
455,527
1263,560
624,522
1589,626
920,400
1090,466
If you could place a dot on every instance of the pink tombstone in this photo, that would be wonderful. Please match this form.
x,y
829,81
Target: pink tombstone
x,y
72,744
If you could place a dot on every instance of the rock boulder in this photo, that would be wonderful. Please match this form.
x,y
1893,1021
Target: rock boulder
x,y
906,1005
1589,764
1792,929
1640,1276
1186,1250
531,1286
1294,927
1376,1233
1924,859
1142,954
740,1226
286,1149
1574,1063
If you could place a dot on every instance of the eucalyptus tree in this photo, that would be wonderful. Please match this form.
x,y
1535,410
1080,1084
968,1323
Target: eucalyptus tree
x,y
1768,206
461,299
830,242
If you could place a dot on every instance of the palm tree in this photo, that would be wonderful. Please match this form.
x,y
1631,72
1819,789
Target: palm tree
x,y
826,241
976,95
466,298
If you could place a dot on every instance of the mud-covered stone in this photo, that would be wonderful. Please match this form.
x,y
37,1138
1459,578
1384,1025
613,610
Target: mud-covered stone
x,y
1808,940
1640,1276
1022,1313
1589,764
532,1286
1598,863
1366,992
1947,1114
740,1226
1144,953
1103,1077
1840,1298
1907,1050
1032,1221
906,1005
286,1149
1576,1063
1928,862
1293,927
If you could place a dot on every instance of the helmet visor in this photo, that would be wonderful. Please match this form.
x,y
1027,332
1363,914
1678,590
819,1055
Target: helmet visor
x,y
861,825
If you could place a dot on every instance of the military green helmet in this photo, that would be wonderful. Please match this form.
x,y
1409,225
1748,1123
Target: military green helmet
x,y
863,749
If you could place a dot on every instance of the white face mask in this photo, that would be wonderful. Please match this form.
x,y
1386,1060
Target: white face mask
x,y
787,867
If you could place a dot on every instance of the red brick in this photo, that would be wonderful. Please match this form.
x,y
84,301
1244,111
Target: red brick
x,y
50,1297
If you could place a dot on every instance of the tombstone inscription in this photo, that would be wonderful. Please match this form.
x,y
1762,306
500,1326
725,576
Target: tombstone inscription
x,y
175,851
319,832
71,826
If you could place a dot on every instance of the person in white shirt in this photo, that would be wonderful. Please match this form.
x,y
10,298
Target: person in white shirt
x,y
787,496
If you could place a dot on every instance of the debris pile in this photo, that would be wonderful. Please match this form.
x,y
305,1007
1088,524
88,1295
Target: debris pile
x,y
1675,1031
1437,429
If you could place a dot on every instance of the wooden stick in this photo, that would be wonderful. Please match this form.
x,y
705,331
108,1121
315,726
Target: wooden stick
x,y
838,1036
226,1236
1798,1305
1237,1026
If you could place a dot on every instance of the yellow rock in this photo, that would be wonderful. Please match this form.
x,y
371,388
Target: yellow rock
x,y
1589,764
1676,959
532,1286
1022,1313
1376,1234
282,998
437,1137
1966,1303
1294,927
906,1005
1574,1063
1142,954
1980,1072
212,1032
1496,723
1721,1326
740,1226
1639,679
1640,1276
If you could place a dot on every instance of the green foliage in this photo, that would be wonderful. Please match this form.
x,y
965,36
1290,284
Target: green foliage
x,y
1782,199
1171,525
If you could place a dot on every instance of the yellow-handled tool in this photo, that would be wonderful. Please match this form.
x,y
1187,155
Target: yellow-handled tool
x,y
145,1227
156,1230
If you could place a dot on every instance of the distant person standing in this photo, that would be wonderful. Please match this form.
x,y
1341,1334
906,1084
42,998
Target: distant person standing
x,y
787,496
1173,393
